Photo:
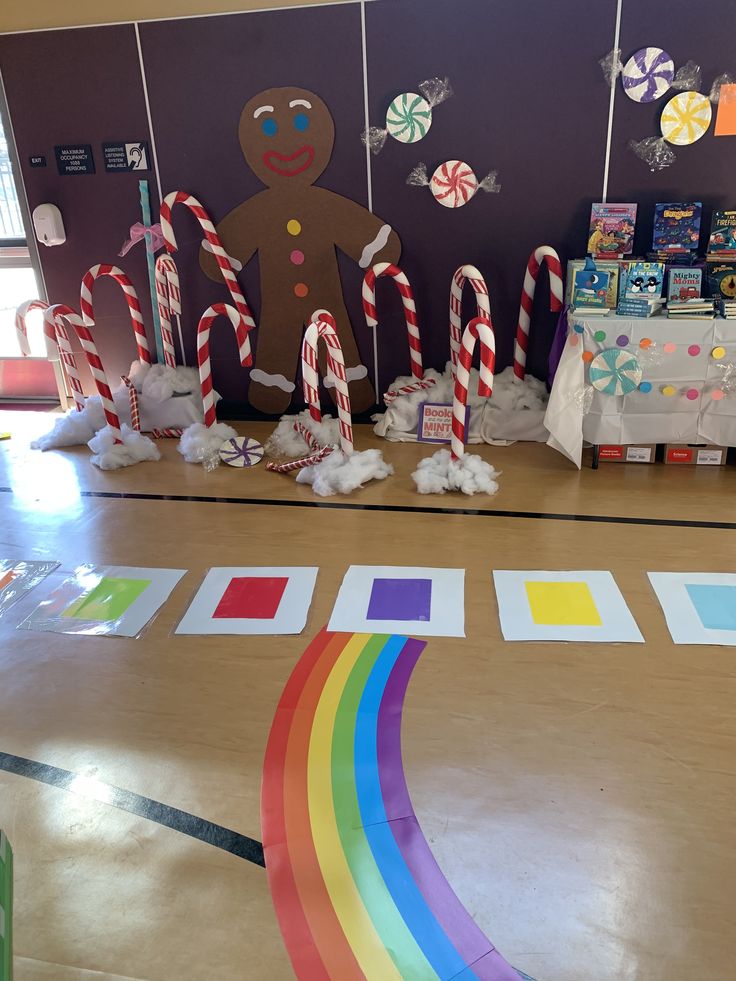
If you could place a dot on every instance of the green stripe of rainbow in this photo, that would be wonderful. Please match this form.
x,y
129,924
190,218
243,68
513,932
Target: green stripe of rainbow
x,y
356,889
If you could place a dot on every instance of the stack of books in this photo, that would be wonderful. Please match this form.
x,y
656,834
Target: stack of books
x,y
701,307
722,240
634,306
727,309
676,231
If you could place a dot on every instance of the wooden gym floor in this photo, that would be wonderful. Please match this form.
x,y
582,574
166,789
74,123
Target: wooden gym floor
x,y
580,798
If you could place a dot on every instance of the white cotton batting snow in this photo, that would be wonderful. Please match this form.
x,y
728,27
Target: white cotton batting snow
x,y
286,441
440,473
160,382
339,473
510,394
109,455
198,443
74,428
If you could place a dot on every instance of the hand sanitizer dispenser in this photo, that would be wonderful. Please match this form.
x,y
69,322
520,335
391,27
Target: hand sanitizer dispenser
x,y
49,225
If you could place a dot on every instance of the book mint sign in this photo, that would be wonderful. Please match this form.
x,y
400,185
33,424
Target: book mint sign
x,y
435,422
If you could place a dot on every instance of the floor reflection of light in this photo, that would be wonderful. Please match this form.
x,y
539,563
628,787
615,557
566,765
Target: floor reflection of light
x,y
92,789
46,483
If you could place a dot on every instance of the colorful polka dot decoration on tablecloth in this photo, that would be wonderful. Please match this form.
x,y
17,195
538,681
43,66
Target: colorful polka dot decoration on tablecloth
x,y
587,356
685,118
670,347
579,329
717,394
669,390
615,372
645,387
694,350
648,74
408,118
453,184
718,352
645,342
692,394
599,336
622,340
241,451
574,340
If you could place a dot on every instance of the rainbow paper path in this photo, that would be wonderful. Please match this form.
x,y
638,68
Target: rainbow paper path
x,y
357,891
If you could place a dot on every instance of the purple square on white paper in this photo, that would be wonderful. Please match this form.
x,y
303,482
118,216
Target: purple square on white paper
x,y
400,599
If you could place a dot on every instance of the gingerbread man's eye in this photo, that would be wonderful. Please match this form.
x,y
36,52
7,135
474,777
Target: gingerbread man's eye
x,y
270,127
301,121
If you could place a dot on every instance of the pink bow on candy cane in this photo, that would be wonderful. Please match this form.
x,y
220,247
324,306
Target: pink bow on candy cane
x,y
138,232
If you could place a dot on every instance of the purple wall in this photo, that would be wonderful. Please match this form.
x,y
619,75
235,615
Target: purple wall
x,y
530,101
83,86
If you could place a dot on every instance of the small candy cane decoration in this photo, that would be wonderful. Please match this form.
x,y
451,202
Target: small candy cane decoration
x,y
135,415
131,297
53,319
324,327
545,253
203,352
58,346
481,330
410,309
463,275
21,330
419,386
318,453
168,297
223,260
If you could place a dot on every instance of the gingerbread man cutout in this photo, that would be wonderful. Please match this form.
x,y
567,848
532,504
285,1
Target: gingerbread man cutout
x,y
287,135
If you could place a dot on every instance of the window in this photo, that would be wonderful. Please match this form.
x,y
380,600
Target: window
x,y
17,277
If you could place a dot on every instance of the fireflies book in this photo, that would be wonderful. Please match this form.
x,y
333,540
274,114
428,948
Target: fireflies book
x,y
677,227
611,230
722,240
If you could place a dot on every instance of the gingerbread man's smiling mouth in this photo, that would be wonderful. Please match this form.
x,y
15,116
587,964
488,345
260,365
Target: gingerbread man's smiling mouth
x,y
288,165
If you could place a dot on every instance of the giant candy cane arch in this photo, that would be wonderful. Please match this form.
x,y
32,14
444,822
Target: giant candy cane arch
x,y
410,309
223,260
131,298
481,330
203,352
54,319
58,347
463,275
546,254
21,330
323,326
168,298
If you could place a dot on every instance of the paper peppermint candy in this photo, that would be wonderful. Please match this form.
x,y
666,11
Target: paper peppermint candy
x,y
453,183
409,116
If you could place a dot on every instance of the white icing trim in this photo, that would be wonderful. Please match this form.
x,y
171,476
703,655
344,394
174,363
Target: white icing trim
x,y
352,374
262,109
300,102
375,246
272,381
207,246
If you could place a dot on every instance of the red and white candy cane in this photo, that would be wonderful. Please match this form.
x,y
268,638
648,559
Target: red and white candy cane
x,y
223,259
317,453
54,318
21,330
135,416
58,347
545,253
479,329
324,327
410,309
131,297
419,386
168,296
463,275
203,352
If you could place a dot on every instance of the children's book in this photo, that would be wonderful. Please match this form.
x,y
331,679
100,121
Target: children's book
x,y
591,287
611,230
677,227
684,283
722,280
722,239
610,266
643,280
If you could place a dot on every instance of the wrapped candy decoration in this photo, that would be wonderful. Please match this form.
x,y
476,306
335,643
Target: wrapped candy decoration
x,y
409,116
453,183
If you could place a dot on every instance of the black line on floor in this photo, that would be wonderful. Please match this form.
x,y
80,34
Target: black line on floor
x,y
408,509
152,810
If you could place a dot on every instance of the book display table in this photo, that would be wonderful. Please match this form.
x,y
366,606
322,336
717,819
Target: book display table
x,y
634,380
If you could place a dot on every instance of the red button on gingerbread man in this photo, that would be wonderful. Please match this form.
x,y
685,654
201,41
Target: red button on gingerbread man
x,y
287,135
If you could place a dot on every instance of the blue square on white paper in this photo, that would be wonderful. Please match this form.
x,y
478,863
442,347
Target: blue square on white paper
x,y
714,604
